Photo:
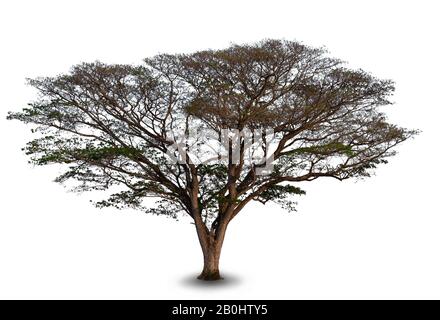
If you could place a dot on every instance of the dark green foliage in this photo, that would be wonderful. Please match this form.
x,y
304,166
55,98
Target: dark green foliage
x,y
282,195
280,192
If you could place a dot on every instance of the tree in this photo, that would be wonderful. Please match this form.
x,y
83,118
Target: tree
x,y
113,127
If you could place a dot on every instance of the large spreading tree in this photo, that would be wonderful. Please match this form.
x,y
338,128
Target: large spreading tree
x,y
110,126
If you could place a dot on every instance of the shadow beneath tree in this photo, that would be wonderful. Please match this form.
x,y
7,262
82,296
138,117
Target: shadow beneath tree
x,y
227,281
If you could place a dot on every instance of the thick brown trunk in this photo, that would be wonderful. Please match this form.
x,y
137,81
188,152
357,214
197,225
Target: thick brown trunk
x,y
211,258
211,243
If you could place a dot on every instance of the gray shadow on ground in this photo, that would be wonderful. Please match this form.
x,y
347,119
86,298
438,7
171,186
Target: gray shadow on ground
x,y
227,281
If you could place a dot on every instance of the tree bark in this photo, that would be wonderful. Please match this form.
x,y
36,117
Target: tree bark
x,y
211,259
211,244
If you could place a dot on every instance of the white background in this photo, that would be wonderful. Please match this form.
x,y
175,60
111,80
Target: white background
x,y
377,238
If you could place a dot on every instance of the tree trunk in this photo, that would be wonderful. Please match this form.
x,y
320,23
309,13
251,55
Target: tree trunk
x,y
211,258
211,243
